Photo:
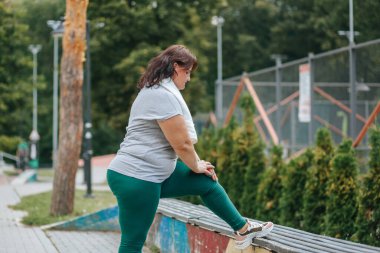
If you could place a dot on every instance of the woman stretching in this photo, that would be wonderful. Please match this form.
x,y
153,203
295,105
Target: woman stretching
x,y
145,169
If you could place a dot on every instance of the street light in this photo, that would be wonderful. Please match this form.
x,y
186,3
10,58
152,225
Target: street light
x,y
218,22
87,154
352,73
352,54
34,136
57,27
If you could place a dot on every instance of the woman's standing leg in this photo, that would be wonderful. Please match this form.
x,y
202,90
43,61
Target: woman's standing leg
x,y
137,200
185,182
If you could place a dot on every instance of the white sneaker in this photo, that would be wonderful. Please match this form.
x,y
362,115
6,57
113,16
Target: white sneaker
x,y
254,230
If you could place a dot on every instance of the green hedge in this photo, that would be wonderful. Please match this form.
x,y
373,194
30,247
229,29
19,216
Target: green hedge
x,y
342,206
319,191
270,188
314,206
368,221
293,181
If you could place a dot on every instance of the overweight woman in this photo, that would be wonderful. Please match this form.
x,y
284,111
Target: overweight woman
x,y
146,168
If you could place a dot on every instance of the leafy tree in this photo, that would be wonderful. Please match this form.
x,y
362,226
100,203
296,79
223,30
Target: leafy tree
x,y
15,79
270,187
318,21
247,26
133,33
342,206
36,13
293,181
367,225
315,196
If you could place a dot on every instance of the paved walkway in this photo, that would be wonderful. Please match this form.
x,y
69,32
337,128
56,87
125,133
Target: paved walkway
x,y
15,237
18,238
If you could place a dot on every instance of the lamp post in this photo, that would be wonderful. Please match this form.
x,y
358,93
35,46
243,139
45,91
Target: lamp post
x,y
34,136
218,21
57,27
352,73
87,153
352,59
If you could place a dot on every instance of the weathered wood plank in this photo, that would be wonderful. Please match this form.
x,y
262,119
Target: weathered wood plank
x,y
282,239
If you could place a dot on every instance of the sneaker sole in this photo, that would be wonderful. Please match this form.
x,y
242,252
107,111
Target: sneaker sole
x,y
249,238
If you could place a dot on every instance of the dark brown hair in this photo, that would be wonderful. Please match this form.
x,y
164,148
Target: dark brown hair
x,y
162,66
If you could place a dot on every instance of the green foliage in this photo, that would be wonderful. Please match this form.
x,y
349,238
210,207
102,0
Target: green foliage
x,y
254,21
225,148
315,197
270,187
368,225
341,206
317,20
15,74
252,160
239,157
208,143
9,144
134,31
293,183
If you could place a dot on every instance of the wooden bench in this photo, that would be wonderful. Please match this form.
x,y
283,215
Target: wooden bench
x,y
282,239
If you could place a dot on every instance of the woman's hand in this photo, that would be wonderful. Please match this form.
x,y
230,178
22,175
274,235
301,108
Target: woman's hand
x,y
207,168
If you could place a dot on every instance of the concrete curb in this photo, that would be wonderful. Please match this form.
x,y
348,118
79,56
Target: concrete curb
x,y
103,220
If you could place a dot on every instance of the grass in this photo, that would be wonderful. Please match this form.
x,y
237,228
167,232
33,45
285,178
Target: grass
x,y
11,173
45,173
38,206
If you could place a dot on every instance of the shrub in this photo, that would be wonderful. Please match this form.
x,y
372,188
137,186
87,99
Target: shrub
x,y
224,150
270,187
247,151
293,183
314,206
368,222
341,206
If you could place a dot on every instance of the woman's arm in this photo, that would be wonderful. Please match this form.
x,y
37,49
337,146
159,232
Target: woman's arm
x,y
176,133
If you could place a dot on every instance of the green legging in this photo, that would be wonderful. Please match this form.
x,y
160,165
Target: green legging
x,y
138,201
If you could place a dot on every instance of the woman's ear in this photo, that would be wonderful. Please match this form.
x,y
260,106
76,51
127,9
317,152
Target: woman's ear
x,y
175,66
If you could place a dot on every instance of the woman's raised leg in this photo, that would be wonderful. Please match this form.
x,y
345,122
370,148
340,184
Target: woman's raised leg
x,y
184,182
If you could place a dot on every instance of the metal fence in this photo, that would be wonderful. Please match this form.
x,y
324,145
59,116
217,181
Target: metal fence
x,y
332,101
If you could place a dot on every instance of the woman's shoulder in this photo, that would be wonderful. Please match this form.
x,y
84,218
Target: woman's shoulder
x,y
157,92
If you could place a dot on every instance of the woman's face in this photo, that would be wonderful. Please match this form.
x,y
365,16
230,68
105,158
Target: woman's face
x,y
181,76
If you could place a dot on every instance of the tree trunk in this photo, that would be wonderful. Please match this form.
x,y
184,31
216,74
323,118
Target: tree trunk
x,y
71,121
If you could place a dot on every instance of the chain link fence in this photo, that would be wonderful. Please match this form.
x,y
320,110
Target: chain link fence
x,y
331,98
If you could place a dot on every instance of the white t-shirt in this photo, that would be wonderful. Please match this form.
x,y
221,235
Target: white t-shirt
x,y
145,153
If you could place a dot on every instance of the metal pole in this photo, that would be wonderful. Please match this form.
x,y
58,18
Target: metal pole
x,y
218,22
35,49
220,74
366,116
311,127
351,6
55,102
352,55
34,91
87,154
292,128
278,96
34,136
